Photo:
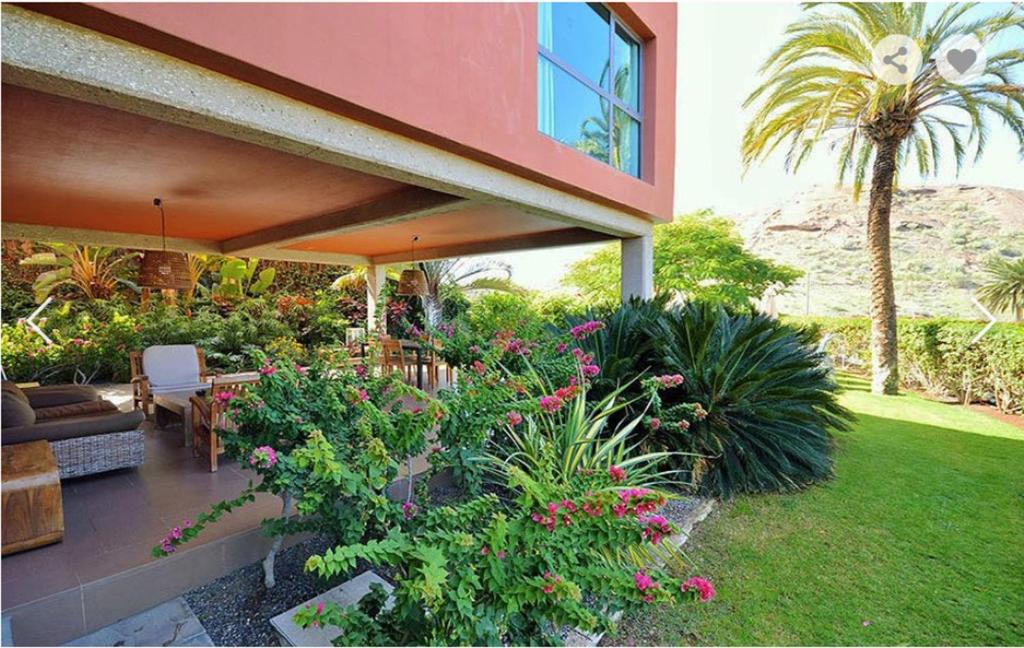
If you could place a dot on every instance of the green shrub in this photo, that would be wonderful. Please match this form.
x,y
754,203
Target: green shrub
x,y
937,356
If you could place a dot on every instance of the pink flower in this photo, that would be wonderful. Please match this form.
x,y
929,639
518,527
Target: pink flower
x,y
567,393
590,370
417,410
304,371
263,457
363,395
176,533
361,371
474,349
705,589
668,381
501,555
223,397
642,580
655,423
479,367
268,370
514,418
320,607
684,425
409,510
656,528
551,404
562,346
699,412
484,550
616,473
583,330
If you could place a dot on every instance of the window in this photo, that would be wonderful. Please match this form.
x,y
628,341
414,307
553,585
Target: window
x,y
588,76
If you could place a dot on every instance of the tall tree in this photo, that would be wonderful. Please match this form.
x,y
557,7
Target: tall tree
x,y
698,256
820,89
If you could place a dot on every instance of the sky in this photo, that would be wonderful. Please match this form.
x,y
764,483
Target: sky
x,y
721,46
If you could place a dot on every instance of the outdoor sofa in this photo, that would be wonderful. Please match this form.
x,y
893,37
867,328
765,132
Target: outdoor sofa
x,y
87,434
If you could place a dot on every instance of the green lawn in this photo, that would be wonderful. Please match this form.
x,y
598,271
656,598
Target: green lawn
x,y
919,539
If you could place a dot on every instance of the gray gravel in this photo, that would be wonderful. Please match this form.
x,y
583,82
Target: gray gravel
x,y
236,609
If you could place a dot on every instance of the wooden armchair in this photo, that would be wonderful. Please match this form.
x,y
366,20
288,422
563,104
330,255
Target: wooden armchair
x,y
145,386
209,416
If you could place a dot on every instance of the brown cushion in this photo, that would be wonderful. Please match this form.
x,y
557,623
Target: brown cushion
x,y
74,427
15,391
53,395
74,409
15,412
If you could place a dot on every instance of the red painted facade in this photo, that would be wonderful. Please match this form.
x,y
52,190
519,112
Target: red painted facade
x,y
459,76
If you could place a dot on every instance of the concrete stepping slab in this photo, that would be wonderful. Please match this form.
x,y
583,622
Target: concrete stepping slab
x,y
168,624
348,593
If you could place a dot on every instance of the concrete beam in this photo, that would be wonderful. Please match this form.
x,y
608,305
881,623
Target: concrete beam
x,y
404,205
148,242
99,237
53,56
638,267
556,238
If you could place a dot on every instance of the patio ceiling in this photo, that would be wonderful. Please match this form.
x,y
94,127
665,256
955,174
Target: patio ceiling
x,y
88,173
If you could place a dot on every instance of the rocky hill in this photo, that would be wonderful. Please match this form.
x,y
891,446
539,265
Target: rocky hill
x,y
941,237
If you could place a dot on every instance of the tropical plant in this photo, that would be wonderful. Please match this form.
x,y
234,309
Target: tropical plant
x,y
238,280
468,276
821,88
1004,291
91,270
698,256
198,264
561,551
754,406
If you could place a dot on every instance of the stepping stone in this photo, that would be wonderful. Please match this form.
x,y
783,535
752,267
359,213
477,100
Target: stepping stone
x,y
346,594
168,624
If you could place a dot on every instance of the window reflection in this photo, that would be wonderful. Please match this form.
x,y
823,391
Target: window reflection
x,y
588,83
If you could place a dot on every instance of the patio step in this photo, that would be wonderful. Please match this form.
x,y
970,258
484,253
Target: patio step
x,y
168,624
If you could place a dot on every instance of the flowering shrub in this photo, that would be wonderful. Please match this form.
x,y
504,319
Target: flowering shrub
x,y
329,439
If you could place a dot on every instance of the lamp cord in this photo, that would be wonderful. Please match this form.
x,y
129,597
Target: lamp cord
x,y
163,224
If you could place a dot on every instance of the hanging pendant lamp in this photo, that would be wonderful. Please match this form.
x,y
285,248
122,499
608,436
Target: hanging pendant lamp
x,y
160,269
413,282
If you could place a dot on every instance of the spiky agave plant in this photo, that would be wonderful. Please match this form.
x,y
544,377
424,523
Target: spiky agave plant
x,y
821,90
771,404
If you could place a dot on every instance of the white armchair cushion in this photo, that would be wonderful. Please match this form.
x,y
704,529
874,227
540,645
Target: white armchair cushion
x,y
171,367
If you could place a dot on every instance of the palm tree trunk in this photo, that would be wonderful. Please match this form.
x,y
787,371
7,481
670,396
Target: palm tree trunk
x,y
432,309
884,361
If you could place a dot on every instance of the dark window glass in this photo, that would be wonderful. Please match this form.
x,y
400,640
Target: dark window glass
x,y
588,83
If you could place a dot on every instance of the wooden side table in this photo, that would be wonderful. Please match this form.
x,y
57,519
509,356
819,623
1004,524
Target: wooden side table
x,y
33,513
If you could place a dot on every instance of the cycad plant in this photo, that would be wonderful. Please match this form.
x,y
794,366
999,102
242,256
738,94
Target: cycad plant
x,y
770,402
1004,291
820,89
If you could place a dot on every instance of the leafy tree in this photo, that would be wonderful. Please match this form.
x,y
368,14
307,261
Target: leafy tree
x,y
92,270
821,89
448,275
1005,289
699,256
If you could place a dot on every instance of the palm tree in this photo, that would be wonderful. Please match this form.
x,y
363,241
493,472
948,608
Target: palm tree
x,y
460,274
1005,290
820,89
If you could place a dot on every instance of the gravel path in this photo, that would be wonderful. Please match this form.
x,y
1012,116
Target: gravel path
x,y
236,609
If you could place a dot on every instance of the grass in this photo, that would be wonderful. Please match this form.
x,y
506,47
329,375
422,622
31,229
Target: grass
x,y
919,539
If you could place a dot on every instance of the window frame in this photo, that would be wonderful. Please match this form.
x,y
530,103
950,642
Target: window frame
x,y
608,95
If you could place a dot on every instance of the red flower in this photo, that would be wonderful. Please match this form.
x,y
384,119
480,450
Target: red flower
x,y
616,473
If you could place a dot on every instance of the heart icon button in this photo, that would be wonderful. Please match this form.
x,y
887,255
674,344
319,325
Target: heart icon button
x,y
961,60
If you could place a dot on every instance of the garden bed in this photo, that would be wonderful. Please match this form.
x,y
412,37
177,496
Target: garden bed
x,y
236,609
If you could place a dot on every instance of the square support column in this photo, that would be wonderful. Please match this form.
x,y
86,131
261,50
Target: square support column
x,y
638,267
375,314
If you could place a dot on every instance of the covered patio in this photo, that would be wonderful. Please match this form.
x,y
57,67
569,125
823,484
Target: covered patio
x,y
95,128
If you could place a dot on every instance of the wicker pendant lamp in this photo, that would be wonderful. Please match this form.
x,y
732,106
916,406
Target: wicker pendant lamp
x,y
160,269
413,282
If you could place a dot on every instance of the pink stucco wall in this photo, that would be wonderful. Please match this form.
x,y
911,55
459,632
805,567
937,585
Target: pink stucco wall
x,y
460,76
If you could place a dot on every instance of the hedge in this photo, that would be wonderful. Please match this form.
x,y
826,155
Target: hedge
x,y
936,356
